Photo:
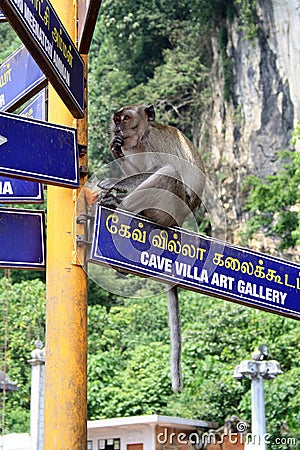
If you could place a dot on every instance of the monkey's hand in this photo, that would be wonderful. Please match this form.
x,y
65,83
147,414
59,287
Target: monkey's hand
x,y
91,197
116,146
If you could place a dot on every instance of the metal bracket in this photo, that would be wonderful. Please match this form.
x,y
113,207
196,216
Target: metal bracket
x,y
83,218
88,221
82,240
82,150
83,171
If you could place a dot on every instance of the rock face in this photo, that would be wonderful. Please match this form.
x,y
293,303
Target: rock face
x,y
247,131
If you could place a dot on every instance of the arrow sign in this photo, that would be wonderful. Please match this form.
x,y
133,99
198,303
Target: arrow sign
x,y
2,140
196,262
45,37
13,190
20,79
22,237
38,151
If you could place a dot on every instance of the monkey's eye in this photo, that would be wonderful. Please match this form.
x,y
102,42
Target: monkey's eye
x,y
117,120
126,117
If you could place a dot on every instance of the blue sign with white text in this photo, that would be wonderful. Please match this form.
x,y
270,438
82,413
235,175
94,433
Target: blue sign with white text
x,y
196,262
22,239
20,78
2,17
38,151
13,190
45,37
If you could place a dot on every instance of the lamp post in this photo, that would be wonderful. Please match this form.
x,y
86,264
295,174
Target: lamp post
x,y
257,370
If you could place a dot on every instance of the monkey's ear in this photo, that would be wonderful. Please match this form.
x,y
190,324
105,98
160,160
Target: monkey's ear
x,y
149,110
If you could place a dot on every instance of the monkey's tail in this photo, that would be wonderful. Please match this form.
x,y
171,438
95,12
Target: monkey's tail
x,y
175,339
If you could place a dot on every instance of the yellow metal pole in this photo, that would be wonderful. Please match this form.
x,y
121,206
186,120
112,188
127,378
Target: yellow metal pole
x,y
66,312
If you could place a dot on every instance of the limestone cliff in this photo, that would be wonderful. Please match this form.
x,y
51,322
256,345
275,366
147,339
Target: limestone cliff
x,y
256,122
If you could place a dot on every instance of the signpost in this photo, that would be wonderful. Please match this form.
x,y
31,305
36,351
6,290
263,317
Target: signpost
x,y
38,151
87,16
45,37
20,79
43,152
22,238
2,17
196,262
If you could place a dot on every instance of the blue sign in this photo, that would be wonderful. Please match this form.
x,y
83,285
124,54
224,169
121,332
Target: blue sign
x,y
13,190
36,108
38,151
45,37
196,262
2,17
22,238
20,78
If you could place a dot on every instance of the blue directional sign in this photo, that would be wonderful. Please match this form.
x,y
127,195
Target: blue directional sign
x,y
13,190
36,108
45,37
20,79
196,262
22,239
38,151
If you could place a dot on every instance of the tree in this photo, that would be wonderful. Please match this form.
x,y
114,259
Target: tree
x,y
274,202
9,41
129,363
23,313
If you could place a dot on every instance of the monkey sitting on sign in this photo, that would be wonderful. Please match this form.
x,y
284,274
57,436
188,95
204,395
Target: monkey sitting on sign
x,y
166,177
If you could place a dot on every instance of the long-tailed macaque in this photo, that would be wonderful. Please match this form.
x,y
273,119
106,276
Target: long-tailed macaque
x,y
165,174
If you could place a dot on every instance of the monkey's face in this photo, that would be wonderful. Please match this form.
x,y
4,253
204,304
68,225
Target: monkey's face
x,y
131,122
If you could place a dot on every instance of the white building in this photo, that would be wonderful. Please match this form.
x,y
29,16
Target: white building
x,y
153,432
15,441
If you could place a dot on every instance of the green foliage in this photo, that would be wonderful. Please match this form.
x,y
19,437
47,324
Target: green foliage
x,y
160,52
26,312
129,362
248,18
273,202
129,358
9,41
227,63
153,52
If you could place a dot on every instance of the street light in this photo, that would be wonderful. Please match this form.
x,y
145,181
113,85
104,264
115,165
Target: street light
x,y
257,370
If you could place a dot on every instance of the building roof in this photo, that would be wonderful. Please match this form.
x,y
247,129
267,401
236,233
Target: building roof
x,y
153,419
